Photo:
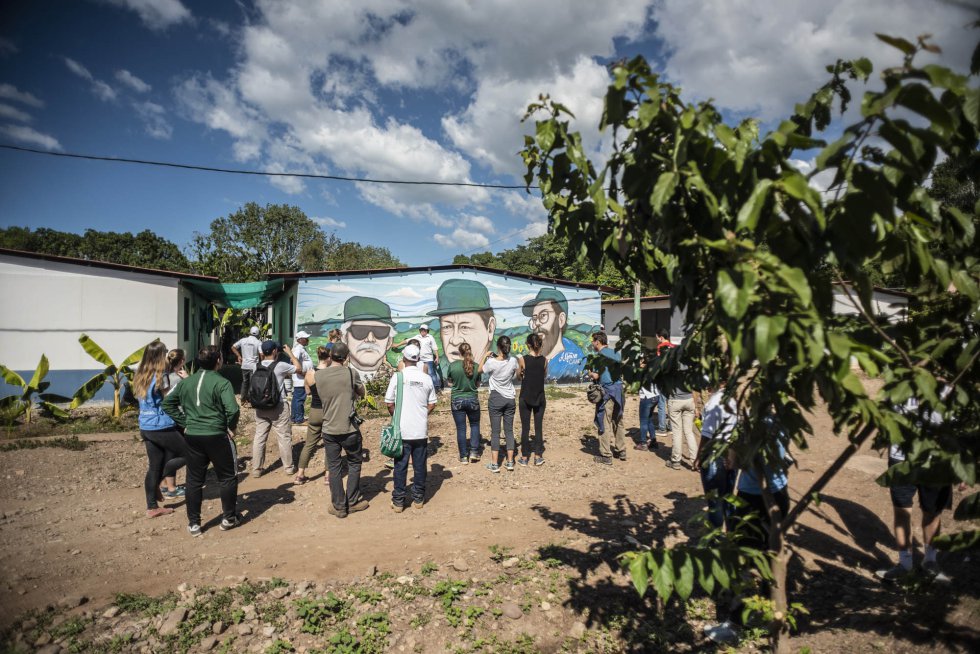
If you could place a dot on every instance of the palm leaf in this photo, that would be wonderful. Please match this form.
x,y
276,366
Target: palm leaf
x,y
133,358
94,350
39,372
54,397
12,377
11,407
88,390
54,410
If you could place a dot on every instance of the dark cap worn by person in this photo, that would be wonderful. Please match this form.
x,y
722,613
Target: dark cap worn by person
x,y
339,352
268,347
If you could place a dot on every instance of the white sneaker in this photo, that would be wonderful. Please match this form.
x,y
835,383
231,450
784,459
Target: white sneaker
x,y
194,530
931,569
891,574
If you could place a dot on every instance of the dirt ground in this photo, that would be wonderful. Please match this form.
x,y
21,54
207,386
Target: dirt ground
x,y
73,523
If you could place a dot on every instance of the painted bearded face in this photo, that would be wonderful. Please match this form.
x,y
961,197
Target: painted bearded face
x,y
457,328
549,321
368,341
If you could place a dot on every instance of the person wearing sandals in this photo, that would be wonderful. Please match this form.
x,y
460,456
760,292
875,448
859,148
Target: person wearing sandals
x,y
158,430
464,376
204,405
533,371
315,420
502,368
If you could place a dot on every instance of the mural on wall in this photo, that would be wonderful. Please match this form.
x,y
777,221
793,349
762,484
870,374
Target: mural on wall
x,y
377,312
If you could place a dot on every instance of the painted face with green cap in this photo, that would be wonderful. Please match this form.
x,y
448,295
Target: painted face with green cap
x,y
465,316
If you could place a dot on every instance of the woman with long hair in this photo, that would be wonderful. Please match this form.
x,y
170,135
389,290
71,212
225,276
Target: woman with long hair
x,y
533,371
315,420
501,367
176,360
464,376
158,430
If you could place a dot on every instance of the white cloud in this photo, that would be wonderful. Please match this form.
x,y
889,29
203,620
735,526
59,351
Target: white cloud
x,y
763,57
10,92
101,90
154,119
330,222
404,292
132,81
156,14
340,288
463,239
8,47
12,113
30,136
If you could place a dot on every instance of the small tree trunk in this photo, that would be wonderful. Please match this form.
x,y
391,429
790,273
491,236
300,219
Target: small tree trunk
x,y
116,410
779,630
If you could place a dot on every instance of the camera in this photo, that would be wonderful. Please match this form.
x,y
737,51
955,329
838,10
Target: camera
x,y
355,419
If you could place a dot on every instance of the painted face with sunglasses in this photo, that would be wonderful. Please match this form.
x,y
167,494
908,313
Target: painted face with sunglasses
x,y
368,340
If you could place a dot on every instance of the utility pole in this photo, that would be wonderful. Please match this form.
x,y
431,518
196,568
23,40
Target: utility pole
x,y
636,307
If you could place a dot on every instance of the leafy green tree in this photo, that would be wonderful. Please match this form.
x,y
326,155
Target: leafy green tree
x,y
144,250
753,254
256,240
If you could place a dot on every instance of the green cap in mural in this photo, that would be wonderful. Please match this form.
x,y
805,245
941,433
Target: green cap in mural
x,y
546,295
367,308
461,296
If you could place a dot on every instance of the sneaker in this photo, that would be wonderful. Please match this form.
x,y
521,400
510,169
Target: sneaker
x,y
931,569
604,460
663,432
464,460
173,494
194,530
891,574
522,461
493,467
621,456
358,506
256,473
642,447
474,458
290,470
418,504
674,465
332,510
509,466
397,508
390,463
227,524
538,461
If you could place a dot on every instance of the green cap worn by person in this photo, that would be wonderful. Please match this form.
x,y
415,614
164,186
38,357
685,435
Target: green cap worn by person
x,y
203,404
461,296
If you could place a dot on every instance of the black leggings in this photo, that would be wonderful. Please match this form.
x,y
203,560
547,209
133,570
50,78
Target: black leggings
x,y
167,452
525,411
220,452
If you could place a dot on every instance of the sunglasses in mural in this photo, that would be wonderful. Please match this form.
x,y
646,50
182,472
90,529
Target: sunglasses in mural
x,y
361,332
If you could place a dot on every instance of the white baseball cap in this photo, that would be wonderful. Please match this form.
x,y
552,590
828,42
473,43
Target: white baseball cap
x,y
254,331
302,335
411,353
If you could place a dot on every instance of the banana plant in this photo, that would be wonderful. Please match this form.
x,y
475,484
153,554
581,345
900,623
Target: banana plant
x,y
117,376
14,405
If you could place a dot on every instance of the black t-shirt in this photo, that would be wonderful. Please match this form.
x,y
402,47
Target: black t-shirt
x,y
532,388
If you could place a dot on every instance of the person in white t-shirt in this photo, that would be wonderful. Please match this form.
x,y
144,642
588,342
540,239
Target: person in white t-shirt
x,y
428,354
276,417
417,402
247,351
718,473
502,369
298,411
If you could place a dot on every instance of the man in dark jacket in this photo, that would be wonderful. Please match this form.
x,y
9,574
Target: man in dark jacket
x,y
204,405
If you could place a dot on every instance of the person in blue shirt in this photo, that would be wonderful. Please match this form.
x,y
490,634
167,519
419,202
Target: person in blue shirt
x,y
163,441
750,490
717,472
612,393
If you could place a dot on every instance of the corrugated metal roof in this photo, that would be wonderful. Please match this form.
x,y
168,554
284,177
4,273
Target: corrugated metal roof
x,y
92,263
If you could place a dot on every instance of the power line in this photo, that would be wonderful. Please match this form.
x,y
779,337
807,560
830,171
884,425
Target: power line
x,y
239,171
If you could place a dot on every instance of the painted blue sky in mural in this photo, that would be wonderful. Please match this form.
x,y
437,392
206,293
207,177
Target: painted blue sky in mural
x,y
426,90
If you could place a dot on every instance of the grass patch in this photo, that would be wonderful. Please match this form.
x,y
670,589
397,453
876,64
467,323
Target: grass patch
x,y
144,604
65,443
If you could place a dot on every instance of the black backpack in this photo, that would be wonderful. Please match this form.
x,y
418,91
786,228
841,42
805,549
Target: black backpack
x,y
263,388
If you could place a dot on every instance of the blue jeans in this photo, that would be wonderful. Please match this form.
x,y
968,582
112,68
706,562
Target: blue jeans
x,y
299,401
662,412
646,423
417,451
715,477
430,367
467,408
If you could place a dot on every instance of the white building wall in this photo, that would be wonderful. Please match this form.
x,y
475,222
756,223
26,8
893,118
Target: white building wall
x,y
48,305
893,306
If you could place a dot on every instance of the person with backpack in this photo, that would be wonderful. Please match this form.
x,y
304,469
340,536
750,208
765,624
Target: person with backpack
x,y
204,406
533,371
339,387
267,392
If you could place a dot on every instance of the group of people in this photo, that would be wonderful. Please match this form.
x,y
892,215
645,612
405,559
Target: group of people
x,y
190,420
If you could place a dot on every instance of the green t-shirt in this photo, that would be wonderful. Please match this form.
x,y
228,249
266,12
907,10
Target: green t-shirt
x,y
463,386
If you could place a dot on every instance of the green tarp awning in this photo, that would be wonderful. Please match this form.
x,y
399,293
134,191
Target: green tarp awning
x,y
245,295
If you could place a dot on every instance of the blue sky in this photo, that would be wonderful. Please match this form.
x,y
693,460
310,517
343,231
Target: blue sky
x,y
430,89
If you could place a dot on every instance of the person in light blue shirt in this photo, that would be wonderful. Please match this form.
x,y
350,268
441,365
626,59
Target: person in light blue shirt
x,y
612,393
717,474
750,490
